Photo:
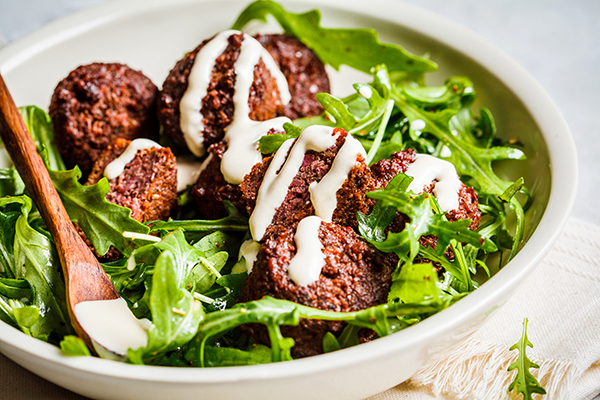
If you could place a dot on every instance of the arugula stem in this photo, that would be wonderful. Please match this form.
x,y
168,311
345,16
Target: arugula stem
x,y
380,132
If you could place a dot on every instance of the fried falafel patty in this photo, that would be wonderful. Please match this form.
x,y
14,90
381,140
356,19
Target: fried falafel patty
x,y
98,103
147,185
354,277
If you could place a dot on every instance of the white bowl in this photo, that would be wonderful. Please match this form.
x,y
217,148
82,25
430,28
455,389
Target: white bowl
x,y
152,35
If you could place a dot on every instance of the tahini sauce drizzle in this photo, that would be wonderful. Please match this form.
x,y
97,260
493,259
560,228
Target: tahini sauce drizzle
x,y
242,133
274,186
112,326
426,169
188,171
305,267
117,166
323,193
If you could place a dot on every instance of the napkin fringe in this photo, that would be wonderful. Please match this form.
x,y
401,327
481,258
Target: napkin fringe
x,y
474,370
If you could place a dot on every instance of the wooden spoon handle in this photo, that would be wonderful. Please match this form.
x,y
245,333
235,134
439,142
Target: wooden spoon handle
x,y
29,164
84,277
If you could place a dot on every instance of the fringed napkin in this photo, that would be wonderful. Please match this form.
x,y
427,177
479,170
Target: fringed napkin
x,y
561,299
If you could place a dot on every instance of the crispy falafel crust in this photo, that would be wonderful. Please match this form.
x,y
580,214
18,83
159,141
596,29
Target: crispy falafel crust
x,y
355,277
305,74
97,103
212,189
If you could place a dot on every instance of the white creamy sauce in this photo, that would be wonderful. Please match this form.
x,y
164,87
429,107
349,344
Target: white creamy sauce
x,y
305,267
112,327
275,184
365,92
417,125
116,167
323,193
242,133
248,253
188,171
5,161
189,107
425,170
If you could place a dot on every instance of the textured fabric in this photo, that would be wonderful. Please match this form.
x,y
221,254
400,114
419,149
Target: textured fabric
x,y
561,299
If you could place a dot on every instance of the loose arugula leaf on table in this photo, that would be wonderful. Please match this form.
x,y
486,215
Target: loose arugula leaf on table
x,y
175,313
357,48
524,381
35,261
102,221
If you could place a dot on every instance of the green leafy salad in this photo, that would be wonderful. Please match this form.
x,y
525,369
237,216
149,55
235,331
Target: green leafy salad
x,y
178,273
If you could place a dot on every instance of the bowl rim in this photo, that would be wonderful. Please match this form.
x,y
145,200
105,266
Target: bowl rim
x,y
543,110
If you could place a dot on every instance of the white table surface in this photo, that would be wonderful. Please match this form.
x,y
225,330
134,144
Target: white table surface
x,y
557,41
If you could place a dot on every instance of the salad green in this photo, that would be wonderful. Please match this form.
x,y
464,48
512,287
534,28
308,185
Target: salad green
x,y
182,279
524,381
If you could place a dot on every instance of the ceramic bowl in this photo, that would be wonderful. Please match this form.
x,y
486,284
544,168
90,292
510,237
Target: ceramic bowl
x,y
152,35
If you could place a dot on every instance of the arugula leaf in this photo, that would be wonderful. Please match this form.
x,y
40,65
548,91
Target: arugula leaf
x,y
175,313
524,381
271,143
469,160
357,48
275,312
8,221
73,346
35,260
231,357
457,93
423,222
40,127
102,221
234,221
330,343
415,283
372,227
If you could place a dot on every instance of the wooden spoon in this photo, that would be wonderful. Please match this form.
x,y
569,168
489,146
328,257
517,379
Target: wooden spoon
x,y
85,279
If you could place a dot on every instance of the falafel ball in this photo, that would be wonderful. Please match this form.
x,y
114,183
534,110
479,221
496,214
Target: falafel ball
x,y
217,106
355,277
147,185
98,103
